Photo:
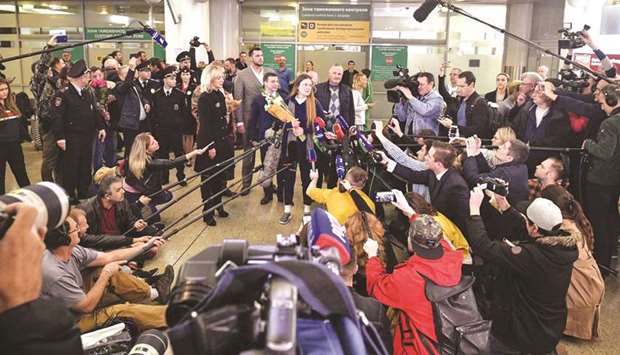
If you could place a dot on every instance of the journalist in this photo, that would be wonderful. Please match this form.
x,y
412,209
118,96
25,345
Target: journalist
x,y
420,110
528,308
29,324
603,177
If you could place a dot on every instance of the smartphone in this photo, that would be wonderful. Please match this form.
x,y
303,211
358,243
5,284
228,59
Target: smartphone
x,y
385,197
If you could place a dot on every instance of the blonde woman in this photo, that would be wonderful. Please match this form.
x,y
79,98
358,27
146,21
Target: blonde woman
x,y
144,173
360,82
501,136
215,126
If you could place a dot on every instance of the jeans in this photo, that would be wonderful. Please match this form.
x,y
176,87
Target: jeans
x,y
104,153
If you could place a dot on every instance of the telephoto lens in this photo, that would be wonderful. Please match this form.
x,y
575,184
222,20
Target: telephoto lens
x,y
151,342
49,199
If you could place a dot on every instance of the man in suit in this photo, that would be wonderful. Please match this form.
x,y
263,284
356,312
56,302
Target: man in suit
x,y
247,87
337,98
449,191
472,114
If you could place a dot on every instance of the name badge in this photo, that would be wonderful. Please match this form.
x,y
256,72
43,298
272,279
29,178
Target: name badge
x,y
152,91
175,107
217,105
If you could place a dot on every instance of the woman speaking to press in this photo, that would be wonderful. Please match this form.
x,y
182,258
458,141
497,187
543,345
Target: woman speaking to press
x,y
145,173
215,127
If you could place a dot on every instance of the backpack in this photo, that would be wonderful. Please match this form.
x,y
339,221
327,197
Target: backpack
x,y
459,326
496,119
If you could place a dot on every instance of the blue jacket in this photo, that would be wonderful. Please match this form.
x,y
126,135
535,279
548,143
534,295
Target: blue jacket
x,y
475,168
260,120
420,114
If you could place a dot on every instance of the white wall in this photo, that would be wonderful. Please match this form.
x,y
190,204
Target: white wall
x,y
194,22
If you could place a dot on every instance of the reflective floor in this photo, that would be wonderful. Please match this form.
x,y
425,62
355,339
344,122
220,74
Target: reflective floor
x,y
259,225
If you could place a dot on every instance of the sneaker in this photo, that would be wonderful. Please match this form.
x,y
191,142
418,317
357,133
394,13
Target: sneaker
x,y
286,218
163,283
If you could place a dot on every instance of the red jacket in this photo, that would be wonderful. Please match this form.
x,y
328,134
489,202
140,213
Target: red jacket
x,y
404,290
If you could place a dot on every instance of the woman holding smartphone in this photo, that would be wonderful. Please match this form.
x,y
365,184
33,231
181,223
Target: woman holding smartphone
x,y
215,127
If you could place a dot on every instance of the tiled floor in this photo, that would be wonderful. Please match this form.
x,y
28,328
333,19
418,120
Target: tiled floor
x,y
258,224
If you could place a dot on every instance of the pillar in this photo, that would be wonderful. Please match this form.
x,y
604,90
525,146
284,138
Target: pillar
x,y
192,19
224,28
518,22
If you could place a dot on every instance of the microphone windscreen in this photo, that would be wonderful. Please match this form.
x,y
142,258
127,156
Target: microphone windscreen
x,y
424,10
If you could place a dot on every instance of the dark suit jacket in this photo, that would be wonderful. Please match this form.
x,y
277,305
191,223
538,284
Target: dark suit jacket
x,y
491,96
345,95
450,195
476,116
475,168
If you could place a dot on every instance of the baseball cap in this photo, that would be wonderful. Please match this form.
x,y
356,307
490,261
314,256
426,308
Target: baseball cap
x,y
545,214
425,235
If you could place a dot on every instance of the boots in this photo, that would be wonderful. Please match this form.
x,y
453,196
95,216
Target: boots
x,y
268,195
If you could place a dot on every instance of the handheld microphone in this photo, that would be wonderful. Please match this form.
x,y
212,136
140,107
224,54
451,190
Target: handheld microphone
x,y
312,157
425,9
343,123
156,36
340,170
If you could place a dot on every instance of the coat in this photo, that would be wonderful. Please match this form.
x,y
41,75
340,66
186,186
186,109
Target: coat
x,y
214,128
246,88
450,195
129,102
605,153
404,289
529,306
125,218
475,168
345,96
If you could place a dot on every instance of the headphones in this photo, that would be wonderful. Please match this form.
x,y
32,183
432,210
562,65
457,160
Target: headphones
x,y
612,95
58,237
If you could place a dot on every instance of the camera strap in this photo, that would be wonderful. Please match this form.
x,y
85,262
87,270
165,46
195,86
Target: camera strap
x,y
360,203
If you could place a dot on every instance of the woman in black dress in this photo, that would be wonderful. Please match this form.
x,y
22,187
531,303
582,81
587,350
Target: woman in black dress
x,y
187,86
10,147
214,126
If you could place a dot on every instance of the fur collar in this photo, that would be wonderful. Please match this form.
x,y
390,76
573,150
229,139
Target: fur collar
x,y
566,237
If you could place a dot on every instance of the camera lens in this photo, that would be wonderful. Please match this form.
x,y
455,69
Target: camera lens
x,y
49,199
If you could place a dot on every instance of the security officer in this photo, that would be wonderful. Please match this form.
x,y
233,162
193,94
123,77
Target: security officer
x,y
75,122
145,83
185,61
167,118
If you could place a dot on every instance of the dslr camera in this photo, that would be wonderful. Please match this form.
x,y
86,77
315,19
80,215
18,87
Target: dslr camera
x,y
195,42
495,185
402,78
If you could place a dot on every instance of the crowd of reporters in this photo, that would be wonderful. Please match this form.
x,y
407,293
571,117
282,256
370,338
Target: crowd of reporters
x,y
533,249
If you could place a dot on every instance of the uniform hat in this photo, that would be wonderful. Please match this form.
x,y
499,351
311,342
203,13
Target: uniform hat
x,y
143,66
78,69
169,71
183,56
545,214
425,235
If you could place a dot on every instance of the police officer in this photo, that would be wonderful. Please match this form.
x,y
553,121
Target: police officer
x,y
185,62
76,121
167,118
145,83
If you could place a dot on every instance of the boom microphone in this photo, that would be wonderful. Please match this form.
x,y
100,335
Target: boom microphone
x,y
425,9
156,36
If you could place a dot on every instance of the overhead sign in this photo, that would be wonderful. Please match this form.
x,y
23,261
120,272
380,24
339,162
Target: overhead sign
x,y
334,23
271,51
103,32
385,59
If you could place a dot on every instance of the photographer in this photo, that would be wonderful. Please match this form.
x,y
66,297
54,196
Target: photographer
x,y
63,265
512,169
603,178
29,324
528,309
404,289
472,115
529,82
422,110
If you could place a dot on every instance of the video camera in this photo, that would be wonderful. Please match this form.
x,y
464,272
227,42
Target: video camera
x,y
571,40
402,78
494,185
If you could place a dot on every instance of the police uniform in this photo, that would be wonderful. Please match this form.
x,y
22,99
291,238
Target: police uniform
x,y
76,120
185,55
215,127
147,87
168,116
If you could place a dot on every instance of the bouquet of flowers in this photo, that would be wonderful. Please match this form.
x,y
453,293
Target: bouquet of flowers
x,y
276,107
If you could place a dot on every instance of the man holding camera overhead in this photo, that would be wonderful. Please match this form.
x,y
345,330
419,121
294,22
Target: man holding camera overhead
x,y
419,110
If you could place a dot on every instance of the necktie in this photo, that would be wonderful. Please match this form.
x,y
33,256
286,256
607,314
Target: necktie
x,y
334,102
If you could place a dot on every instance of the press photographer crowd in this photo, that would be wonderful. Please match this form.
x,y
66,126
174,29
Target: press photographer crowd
x,y
465,223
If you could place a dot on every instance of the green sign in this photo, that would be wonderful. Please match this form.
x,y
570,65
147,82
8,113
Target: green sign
x,y
385,59
103,32
159,51
271,51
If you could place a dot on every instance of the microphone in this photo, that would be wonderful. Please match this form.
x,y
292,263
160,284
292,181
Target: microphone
x,y
340,170
312,157
156,36
425,9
